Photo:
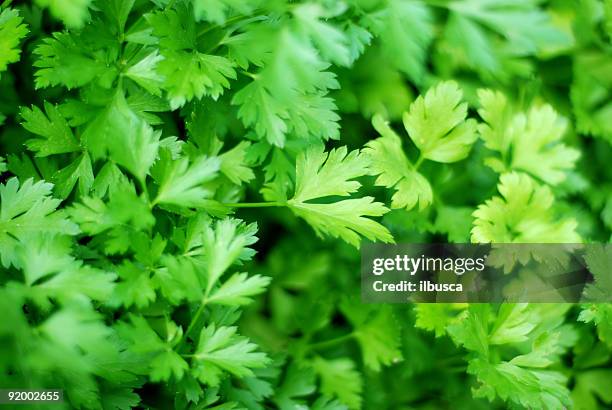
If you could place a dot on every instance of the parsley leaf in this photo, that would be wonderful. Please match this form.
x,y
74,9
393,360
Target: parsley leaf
x,y
220,348
521,215
340,379
405,29
12,30
238,289
181,182
436,124
73,13
320,174
528,142
25,210
394,170
57,137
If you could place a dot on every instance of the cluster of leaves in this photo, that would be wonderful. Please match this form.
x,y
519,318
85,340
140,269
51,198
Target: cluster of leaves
x,y
149,148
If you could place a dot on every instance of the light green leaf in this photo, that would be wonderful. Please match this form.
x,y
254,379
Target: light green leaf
x,y
222,349
532,140
182,183
406,31
28,210
225,243
233,164
522,214
394,170
238,289
320,174
331,42
194,75
144,73
217,11
437,124
12,30
73,13
260,110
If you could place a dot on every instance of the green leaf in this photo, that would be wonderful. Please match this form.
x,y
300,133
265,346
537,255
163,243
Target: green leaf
x,y
435,316
124,207
340,379
225,243
260,110
523,381
222,349
487,35
134,288
28,210
472,329
163,362
456,222
80,171
194,75
187,73
12,30
601,315
320,174
143,73
178,280
590,93
526,388
298,383
358,38
116,127
57,137
217,11
591,388
436,124
181,183
239,289
73,13
234,166
388,161
406,31
598,258
532,139
345,219
142,140
522,214
379,339
62,60
52,273
331,42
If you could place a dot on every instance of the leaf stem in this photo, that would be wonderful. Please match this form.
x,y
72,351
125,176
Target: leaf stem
x,y
195,319
332,342
419,162
254,204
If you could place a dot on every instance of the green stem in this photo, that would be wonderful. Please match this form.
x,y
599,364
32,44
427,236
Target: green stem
x,y
419,162
331,342
255,204
145,191
195,319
